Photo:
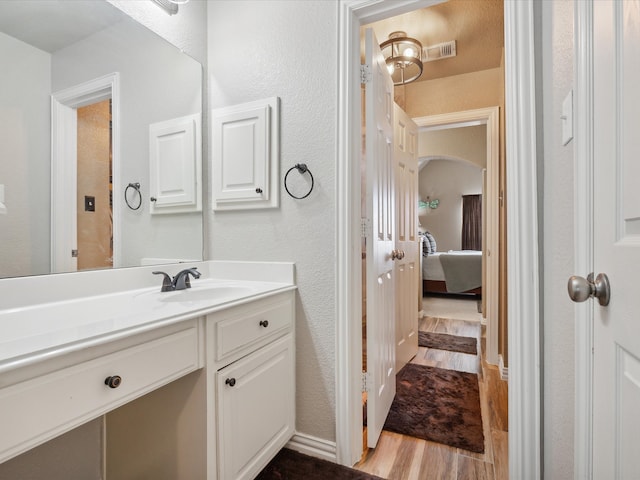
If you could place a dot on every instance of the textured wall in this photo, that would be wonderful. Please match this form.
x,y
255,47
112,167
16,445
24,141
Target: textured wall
x,y
187,29
454,94
263,61
558,330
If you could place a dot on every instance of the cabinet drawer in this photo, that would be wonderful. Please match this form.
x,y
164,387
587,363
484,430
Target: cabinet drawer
x,y
39,409
252,327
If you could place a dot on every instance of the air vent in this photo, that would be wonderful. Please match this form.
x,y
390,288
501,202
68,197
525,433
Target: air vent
x,y
439,51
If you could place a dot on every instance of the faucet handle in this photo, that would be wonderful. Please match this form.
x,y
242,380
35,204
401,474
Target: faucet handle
x,y
167,285
181,280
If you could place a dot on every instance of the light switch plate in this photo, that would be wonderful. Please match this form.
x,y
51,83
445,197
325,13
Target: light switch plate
x,y
567,118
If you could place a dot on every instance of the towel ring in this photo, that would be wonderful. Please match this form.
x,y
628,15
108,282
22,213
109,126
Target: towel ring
x,y
136,187
302,168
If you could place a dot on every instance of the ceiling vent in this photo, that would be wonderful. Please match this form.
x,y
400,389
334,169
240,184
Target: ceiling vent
x,y
439,51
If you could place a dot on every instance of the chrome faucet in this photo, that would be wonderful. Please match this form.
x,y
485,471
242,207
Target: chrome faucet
x,y
180,281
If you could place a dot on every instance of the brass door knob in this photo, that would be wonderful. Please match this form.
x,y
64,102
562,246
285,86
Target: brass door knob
x,y
397,254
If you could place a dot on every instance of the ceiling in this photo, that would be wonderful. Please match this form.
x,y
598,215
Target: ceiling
x,y
477,26
54,24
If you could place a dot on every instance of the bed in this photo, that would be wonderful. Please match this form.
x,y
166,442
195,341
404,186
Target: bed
x,y
452,272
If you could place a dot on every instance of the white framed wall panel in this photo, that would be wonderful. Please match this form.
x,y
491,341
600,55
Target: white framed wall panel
x,y
245,155
175,151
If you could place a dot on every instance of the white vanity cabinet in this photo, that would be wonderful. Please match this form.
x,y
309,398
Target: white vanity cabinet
x,y
251,379
93,382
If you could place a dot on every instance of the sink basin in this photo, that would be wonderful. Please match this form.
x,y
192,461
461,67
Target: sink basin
x,y
210,292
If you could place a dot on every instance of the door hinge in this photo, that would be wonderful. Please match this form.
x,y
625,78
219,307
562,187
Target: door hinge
x,y
365,73
365,228
74,253
365,382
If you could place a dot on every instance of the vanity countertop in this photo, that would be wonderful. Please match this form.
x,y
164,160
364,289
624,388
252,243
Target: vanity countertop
x,y
40,331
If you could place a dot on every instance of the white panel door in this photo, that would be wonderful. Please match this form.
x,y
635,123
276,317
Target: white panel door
x,y
380,242
408,267
616,329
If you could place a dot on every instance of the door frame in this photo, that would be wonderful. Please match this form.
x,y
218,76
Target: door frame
x,y
64,104
522,228
583,167
490,117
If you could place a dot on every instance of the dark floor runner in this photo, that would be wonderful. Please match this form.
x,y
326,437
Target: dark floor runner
x,y
291,465
444,341
438,405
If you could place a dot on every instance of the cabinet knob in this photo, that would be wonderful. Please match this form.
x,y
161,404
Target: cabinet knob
x,y
230,381
113,382
264,323
258,190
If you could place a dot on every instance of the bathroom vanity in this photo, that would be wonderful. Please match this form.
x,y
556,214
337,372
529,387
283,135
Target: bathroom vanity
x,y
92,346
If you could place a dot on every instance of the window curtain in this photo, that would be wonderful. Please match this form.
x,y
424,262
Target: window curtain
x,y
472,222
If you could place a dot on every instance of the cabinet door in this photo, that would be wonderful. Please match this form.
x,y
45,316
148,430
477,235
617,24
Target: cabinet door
x,y
256,409
175,165
245,155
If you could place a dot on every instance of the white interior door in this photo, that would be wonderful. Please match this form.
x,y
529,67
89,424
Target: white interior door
x,y
380,241
407,268
616,328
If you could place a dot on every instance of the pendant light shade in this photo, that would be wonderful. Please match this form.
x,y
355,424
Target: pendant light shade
x,y
403,56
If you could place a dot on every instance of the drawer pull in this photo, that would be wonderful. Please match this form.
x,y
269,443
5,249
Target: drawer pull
x,y
264,323
113,382
230,381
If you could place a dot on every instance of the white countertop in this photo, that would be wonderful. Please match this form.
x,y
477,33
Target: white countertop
x,y
38,331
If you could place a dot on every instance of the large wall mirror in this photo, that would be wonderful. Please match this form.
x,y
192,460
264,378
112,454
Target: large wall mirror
x,y
50,48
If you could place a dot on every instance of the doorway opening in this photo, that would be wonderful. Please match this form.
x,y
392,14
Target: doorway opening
x,y
94,187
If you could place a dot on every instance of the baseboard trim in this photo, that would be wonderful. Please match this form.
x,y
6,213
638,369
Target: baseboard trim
x,y
313,446
504,371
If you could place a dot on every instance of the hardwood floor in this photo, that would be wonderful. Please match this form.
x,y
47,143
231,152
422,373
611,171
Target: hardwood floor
x,y
399,457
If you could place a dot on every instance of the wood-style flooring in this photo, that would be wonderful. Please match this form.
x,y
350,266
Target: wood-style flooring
x,y
399,457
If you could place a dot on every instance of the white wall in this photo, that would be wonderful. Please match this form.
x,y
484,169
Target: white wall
x,y
468,143
24,158
288,49
557,311
447,181
187,30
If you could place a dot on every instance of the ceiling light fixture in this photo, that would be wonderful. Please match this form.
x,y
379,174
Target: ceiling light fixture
x,y
403,56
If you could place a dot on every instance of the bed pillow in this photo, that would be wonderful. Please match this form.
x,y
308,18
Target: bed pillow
x,y
429,244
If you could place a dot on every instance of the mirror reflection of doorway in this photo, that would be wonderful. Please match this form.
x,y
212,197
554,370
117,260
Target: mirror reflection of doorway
x,y
71,189
94,187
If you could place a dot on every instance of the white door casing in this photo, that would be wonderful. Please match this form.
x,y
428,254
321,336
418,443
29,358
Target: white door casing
x,y
523,270
490,208
407,269
380,239
64,168
608,383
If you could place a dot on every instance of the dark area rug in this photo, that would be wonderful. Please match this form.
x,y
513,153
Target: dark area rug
x,y
438,405
289,464
444,341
